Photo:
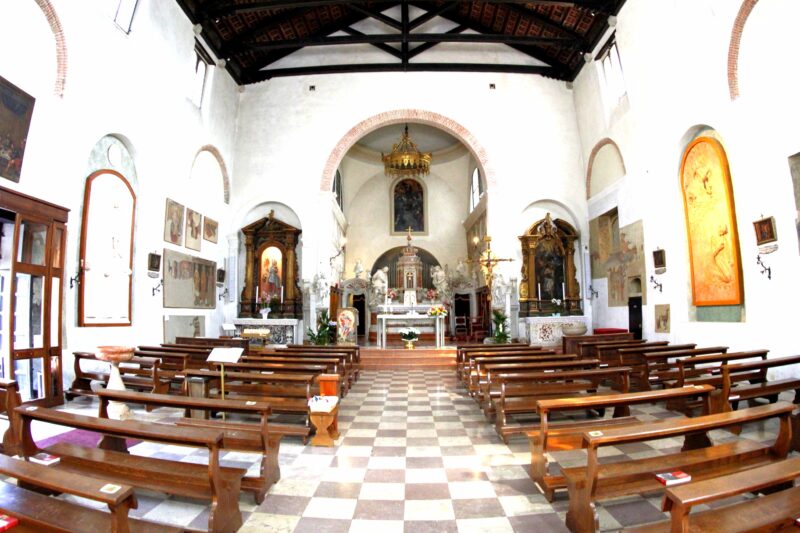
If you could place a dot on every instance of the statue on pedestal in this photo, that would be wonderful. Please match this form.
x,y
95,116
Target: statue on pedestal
x,y
380,282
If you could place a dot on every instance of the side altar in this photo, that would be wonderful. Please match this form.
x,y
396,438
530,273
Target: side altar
x,y
548,330
267,331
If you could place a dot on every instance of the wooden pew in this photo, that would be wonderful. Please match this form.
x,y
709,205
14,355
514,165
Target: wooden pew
x,y
519,393
335,365
739,383
211,342
463,349
568,435
212,482
569,343
592,348
477,366
37,512
348,358
597,482
663,366
254,437
775,511
140,373
467,364
354,351
9,400
635,358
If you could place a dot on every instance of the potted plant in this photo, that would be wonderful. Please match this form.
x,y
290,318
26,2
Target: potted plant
x,y
326,329
264,309
500,321
409,335
557,306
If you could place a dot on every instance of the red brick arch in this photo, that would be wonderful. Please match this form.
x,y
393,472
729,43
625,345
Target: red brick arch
x,y
61,45
400,116
733,47
226,182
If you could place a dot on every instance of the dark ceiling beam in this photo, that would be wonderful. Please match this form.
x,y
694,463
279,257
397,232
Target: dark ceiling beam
x,y
229,7
427,46
430,15
451,36
392,23
404,16
379,45
399,67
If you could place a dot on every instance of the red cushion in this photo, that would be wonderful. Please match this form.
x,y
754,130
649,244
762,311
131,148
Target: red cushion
x,y
608,331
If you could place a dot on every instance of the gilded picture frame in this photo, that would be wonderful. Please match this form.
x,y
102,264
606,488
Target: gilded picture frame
x,y
765,230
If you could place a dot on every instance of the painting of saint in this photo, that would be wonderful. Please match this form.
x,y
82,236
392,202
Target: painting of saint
x,y
173,223
189,282
210,228
16,110
409,206
270,285
711,224
193,220
346,326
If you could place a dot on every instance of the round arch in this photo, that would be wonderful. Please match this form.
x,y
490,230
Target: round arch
x,y
590,167
733,48
400,116
61,45
226,182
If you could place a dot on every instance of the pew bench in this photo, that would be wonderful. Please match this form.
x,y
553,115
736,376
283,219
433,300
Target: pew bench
x,y
352,356
663,366
598,482
111,461
560,435
569,343
520,393
254,437
463,349
634,357
9,400
470,356
38,512
740,384
140,373
476,372
594,348
332,365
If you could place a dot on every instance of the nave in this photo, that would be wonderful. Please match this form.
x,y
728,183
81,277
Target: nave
x,y
416,454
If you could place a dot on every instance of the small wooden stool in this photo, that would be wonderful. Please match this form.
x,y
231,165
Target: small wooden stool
x,y
327,426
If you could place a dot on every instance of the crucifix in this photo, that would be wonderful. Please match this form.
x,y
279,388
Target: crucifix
x,y
487,260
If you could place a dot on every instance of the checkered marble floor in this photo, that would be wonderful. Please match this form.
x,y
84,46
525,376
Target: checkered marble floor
x,y
415,455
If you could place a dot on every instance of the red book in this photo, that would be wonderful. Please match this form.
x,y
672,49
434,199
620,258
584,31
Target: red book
x,y
673,478
7,522
44,458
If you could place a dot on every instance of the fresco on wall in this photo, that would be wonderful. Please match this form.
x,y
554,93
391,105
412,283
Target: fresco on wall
x,y
189,281
662,318
183,326
620,258
711,225
409,206
16,110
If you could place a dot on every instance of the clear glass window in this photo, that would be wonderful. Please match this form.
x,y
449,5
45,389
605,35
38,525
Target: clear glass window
x,y
475,189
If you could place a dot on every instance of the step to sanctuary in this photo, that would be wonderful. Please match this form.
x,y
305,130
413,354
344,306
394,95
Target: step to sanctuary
x,y
402,359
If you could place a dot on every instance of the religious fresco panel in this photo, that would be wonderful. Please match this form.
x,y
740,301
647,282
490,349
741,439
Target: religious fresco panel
x,y
409,207
16,110
711,225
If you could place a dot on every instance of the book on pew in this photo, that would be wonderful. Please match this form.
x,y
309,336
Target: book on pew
x,y
44,458
7,522
673,478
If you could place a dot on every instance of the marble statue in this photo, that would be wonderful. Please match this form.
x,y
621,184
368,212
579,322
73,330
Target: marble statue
x,y
358,269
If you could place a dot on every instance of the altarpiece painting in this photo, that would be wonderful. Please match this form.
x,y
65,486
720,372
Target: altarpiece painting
x,y
16,110
711,224
408,207
189,281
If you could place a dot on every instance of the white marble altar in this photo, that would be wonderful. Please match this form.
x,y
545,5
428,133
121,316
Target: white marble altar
x,y
384,319
547,330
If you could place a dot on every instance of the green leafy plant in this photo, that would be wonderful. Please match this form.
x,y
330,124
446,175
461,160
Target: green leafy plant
x,y
326,330
500,321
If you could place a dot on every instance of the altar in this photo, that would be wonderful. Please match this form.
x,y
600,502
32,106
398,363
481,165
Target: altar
x,y
275,330
384,320
548,330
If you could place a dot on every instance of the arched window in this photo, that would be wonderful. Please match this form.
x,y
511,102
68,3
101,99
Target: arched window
x,y
408,206
475,189
106,260
337,189
711,224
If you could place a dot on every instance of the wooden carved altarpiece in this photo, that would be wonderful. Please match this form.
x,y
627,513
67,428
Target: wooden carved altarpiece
x,y
258,236
548,269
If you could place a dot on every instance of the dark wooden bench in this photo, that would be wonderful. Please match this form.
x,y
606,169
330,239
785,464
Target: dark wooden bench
x,y
334,365
476,374
635,358
598,482
519,393
38,512
774,511
663,366
348,359
463,349
569,343
211,342
140,373
9,400
748,381
354,352
467,364
568,435
259,437
212,482
593,348
608,352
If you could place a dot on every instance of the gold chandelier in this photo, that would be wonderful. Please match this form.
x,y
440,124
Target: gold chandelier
x,y
406,159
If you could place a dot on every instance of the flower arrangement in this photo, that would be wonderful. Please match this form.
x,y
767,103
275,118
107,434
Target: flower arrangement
x,y
391,294
437,310
558,305
409,334
431,294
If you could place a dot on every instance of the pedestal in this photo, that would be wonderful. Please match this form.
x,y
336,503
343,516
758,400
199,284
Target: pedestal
x,y
327,426
117,410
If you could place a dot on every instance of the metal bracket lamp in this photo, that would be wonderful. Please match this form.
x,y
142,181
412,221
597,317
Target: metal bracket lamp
x,y
593,293
764,268
157,288
656,284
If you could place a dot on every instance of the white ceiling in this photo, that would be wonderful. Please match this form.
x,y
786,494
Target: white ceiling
x,y
427,138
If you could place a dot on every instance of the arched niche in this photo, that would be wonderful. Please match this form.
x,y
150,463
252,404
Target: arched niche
x,y
548,269
606,167
276,240
390,258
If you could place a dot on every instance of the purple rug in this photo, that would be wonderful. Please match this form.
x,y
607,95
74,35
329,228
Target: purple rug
x,y
81,437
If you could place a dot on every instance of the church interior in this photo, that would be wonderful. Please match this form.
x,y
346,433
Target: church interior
x,y
411,266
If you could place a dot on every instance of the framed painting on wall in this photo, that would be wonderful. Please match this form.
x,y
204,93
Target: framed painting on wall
x,y
189,282
346,325
173,223
711,224
765,230
408,207
662,318
210,229
193,220
16,110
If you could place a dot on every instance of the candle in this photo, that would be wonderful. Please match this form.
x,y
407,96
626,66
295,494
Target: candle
x,y
282,294
540,290
563,292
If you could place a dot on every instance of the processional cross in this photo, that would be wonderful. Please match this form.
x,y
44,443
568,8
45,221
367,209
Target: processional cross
x,y
487,260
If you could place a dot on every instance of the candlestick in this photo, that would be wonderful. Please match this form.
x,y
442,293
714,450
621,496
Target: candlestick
x,y
282,294
540,290
563,292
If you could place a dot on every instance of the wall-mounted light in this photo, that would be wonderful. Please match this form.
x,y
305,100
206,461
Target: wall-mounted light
x,y
157,288
656,284
764,268
76,280
592,292
340,250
